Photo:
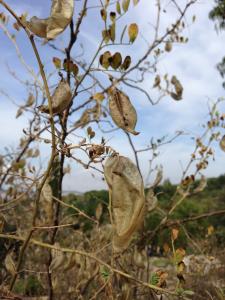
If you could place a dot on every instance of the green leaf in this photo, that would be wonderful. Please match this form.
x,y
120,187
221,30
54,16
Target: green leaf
x,y
118,8
133,32
154,279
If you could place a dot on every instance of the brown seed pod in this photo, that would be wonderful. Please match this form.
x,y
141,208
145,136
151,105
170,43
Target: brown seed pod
x,y
126,191
60,17
222,143
122,111
61,99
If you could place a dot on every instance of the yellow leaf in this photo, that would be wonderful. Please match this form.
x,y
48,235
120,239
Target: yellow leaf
x,y
174,234
125,5
179,254
133,32
210,230
98,97
57,62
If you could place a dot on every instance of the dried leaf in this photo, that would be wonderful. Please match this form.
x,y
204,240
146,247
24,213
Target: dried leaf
x,y
57,62
126,191
30,100
105,59
112,32
157,81
122,111
126,63
98,211
133,32
61,99
60,17
178,88
19,112
210,230
116,60
98,96
222,143
174,234
103,13
168,46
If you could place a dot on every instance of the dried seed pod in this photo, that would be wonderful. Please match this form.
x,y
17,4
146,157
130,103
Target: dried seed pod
x,y
151,200
122,111
58,259
222,143
202,185
126,191
60,17
61,99
46,202
38,26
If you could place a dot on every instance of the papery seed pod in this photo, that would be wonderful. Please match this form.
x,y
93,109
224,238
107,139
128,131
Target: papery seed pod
x,y
222,143
60,17
46,202
38,26
122,111
151,200
61,99
58,259
202,185
126,191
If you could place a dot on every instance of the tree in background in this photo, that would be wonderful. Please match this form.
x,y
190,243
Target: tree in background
x,y
51,250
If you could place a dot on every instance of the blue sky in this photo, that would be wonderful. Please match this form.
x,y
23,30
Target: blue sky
x,y
193,63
